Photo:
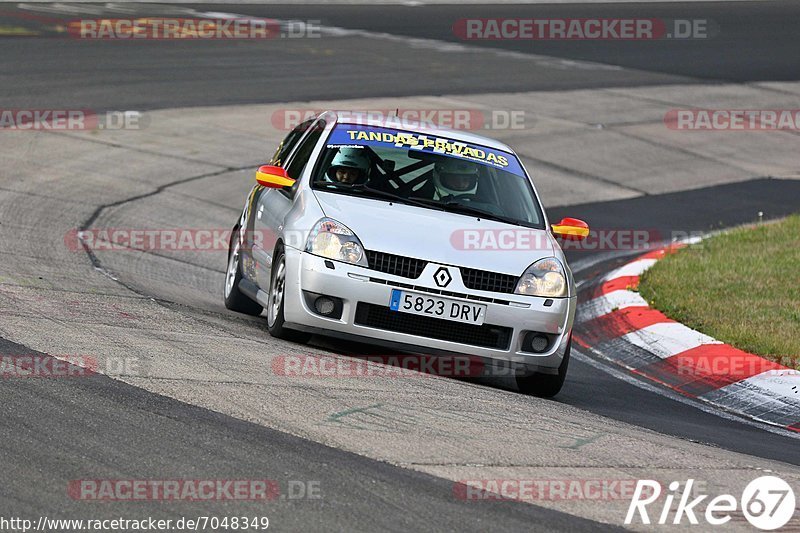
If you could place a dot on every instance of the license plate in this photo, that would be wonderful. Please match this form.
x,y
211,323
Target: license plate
x,y
436,307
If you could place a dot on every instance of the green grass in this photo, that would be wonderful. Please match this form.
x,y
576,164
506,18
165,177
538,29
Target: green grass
x,y
741,287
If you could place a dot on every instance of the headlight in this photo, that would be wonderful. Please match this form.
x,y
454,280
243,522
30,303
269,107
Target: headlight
x,y
545,277
336,241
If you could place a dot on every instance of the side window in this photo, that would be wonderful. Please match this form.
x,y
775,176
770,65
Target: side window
x,y
288,144
300,159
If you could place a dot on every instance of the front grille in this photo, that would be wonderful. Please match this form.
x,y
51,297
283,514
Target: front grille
x,y
442,292
381,317
481,280
396,265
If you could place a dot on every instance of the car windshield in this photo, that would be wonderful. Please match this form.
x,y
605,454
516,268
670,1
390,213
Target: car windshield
x,y
427,171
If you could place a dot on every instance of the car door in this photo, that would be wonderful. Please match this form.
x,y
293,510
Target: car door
x,y
273,205
253,243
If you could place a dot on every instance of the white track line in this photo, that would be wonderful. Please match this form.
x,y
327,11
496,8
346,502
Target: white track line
x,y
635,268
666,339
657,389
774,390
602,305
436,44
771,384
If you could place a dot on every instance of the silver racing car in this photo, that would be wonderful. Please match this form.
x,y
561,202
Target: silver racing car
x,y
409,237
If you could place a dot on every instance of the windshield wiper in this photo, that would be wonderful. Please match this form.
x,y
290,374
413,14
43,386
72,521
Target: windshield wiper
x,y
377,192
464,209
451,206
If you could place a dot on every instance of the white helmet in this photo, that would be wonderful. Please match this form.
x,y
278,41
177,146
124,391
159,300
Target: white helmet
x,y
353,158
453,177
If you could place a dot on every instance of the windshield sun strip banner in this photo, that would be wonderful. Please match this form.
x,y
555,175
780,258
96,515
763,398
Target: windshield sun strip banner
x,y
350,135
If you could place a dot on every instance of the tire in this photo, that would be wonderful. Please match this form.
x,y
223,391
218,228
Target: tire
x,y
275,318
545,385
235,300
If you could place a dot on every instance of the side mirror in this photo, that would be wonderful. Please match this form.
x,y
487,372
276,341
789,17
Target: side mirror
x,y
571,229
273,177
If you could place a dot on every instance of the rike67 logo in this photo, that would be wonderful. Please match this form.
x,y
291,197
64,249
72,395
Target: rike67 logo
x,y
767,502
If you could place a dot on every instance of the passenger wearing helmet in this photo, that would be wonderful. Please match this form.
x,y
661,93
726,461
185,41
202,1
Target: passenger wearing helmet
x,y
453,177
349,166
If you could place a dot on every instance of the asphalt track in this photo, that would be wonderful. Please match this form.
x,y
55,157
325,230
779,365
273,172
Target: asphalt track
x,y
116,430
120,431
754,43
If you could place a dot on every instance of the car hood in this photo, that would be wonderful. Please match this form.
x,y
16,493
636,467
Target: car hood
x,y
438,236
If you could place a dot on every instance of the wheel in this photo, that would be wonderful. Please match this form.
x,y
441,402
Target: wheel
x,y
545,385
234,299
277,290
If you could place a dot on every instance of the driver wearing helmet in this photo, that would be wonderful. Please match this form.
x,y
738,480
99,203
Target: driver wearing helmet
x,y
349,166
453,177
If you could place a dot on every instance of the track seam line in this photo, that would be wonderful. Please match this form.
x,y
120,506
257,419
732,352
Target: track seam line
x,y
685,151
568,465
581,174
111,144
35,195
621,91
95,261
137,297
88,222
153,253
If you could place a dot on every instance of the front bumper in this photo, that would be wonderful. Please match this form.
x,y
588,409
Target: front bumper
x,y
354,284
